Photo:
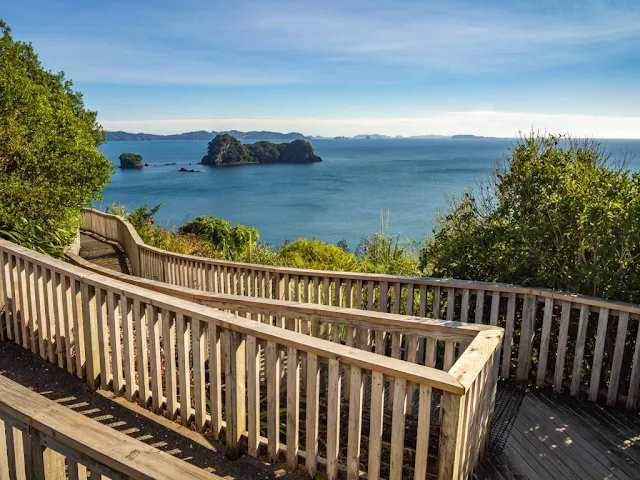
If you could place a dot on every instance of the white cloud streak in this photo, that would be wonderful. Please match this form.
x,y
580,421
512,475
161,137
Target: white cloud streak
x,y
488,123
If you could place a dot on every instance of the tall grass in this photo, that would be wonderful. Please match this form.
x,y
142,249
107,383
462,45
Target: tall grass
x,y
383,252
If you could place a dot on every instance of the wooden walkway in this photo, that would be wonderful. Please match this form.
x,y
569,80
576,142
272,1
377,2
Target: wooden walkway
x,y
560,437
102,253
536,436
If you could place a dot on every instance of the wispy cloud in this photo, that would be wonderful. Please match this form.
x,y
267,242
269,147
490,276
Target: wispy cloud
x,y
99,60
273,43
489,123
459,38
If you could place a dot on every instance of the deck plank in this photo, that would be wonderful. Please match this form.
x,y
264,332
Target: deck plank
x,y
557,436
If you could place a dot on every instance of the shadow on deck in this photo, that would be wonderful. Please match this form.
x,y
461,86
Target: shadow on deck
x,y
561,437
67,390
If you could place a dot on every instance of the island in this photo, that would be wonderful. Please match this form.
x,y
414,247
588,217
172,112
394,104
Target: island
x,y
470,137
131,160
226,150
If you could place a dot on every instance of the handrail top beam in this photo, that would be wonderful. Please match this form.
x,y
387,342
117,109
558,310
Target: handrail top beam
x,y
309,310
398,368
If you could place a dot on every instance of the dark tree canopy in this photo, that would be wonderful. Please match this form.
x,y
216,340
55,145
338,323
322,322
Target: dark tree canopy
x,y
50,166
131,160
297,151
227,150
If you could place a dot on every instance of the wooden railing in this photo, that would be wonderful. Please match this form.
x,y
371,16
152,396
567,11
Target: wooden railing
x,y
167,353
41,440
583,345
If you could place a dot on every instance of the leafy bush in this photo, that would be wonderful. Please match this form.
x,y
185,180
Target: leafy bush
x,y
317,255
559,213
232,241
50,166
158,236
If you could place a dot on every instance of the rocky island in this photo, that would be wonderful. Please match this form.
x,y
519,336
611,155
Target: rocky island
x,y
226,150
131,160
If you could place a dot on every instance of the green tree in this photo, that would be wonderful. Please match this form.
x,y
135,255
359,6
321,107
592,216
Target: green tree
x,y
559,213
131,160
50,166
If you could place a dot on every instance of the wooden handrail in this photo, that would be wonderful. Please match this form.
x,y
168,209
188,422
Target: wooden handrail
x,y
144,344
44,423
412,372
596,302
439,329
549,321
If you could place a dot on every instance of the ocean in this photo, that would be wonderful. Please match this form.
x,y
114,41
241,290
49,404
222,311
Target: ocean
x,y
338,199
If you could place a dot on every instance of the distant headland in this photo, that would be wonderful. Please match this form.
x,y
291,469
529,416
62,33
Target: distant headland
x,y
225,150
254,135
120,136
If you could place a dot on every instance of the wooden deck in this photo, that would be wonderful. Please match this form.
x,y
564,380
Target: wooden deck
x,y
562,437
102,253
558,437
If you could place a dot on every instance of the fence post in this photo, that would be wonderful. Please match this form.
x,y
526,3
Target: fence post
x,y
235,380
90,330
451,435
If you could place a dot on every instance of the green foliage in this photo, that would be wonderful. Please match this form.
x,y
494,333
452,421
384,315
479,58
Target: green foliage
x,y
263,152
559,214
131,160
142,220
50,166
232,241
317,255
49,242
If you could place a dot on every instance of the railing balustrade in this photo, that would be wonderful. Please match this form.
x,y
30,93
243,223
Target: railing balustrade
x,y
574,343
40,439
273,391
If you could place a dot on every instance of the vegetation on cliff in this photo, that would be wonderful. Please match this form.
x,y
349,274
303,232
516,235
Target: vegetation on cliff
x,y
131,160
227,150
217,238
50,166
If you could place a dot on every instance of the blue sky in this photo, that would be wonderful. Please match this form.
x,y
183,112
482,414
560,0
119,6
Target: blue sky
x,y
347,67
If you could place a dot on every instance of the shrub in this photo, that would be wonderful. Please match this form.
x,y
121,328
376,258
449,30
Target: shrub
x,y
50,166
317,255
232,241
559,213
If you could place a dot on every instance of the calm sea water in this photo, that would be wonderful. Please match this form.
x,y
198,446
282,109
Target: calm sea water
x,y
339,198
